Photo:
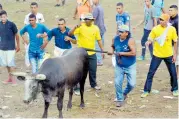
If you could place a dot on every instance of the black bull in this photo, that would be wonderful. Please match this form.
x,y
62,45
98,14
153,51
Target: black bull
x,y
68,70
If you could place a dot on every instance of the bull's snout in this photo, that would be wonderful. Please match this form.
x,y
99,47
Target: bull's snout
x,y
26,101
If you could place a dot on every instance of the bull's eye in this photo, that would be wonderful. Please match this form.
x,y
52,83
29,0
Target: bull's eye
x,y
33,87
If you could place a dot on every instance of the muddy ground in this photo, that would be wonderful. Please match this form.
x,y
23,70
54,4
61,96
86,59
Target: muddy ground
x,y
98,104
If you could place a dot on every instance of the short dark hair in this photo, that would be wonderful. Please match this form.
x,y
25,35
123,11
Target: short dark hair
x,y
32,16
3,12
62,19
174,6
0,6
34,3
119,4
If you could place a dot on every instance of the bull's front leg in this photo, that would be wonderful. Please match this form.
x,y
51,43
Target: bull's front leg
x,y
47,99
60,101
45,114
70,99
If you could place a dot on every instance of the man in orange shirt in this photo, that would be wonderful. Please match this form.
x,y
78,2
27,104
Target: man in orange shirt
x,y
83,7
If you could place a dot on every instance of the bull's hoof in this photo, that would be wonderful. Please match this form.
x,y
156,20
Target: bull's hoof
x,y
44,116
82,105
60,116
69,106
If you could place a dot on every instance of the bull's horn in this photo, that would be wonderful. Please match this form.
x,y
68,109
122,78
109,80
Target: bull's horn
x,y
40,77
18,74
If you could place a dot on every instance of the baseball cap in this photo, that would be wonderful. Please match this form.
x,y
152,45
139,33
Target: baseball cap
x,y
165,17
123,28
88,16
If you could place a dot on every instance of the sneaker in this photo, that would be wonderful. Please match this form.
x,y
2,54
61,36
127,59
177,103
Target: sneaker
x,y
8,81
141,58
77,92
175,93
99,64
57,5
125,96
144,94
119,104
97,88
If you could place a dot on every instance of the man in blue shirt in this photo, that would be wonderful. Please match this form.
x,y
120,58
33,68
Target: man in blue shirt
x,y
62,39
122,18
36,48
8,47
158,7
124,49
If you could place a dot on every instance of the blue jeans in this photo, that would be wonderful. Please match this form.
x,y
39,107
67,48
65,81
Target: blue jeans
x,y
119,78
99,55
143,41
35,59
155,62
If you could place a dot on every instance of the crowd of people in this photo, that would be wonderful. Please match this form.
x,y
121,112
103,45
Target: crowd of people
x,y
160,36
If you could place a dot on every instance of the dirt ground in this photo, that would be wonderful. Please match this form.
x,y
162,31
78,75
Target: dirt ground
x,y
98,104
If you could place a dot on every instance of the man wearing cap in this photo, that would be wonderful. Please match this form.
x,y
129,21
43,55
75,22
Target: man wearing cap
x,y
87,34
162,36
124,48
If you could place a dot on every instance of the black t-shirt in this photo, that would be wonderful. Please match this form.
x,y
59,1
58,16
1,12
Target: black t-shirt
x,y
7,35
174,22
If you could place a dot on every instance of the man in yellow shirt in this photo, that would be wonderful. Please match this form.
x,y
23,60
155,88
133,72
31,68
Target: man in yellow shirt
x,y
162,36
87,34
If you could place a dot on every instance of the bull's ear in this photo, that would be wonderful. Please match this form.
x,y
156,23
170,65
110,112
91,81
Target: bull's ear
x,y
40,77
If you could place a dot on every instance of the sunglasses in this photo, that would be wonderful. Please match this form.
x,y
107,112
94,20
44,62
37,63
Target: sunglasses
x,y
31,20
60,24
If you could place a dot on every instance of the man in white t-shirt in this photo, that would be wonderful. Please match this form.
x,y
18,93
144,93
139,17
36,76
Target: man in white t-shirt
x,y
34,10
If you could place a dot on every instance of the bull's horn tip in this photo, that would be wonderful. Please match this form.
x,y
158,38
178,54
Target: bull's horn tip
x,y
40,77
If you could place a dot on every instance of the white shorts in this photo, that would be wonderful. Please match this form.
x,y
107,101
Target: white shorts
x,y
7,58
58,52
